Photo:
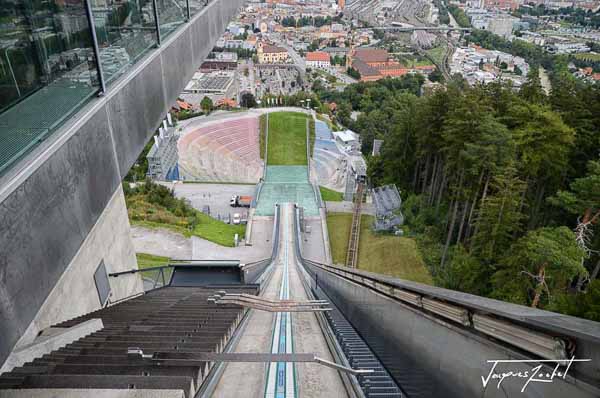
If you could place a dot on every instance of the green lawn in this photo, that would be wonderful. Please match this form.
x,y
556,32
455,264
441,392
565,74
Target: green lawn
x,y
145,260
437,54
287,138
338,225
217,231
329,195
588,56
384,254
150,215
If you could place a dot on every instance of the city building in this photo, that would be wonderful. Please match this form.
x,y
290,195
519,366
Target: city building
x,y
318,59
221,61
268,54
217,82
502,26
501,4
336,51
348,138
478,65
374,64
567,48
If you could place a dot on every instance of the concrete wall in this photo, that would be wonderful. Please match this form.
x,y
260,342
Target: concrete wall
x,y
54,197
108,241
432,358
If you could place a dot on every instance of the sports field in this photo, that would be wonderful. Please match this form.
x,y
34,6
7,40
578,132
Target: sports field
x,y
384,254
287,139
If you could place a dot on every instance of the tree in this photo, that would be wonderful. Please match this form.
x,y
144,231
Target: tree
x,y
544,144
583,304
248,100
466,273
542,263
206,104
532,90
343,112
353,73
436,76
477,165
499,217
583,201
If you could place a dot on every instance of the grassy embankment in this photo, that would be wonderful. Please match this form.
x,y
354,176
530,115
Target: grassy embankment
x,y
437,54
153,206
149,260
145,260
384,254
329,195
287,139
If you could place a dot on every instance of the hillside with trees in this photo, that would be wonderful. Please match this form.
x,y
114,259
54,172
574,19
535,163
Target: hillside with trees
x,y
501,187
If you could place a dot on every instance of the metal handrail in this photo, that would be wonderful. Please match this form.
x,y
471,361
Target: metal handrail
x,y
135,271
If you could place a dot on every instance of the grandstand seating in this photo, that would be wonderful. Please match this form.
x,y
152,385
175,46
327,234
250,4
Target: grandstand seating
x,y
387,203
330,168
329,161
330,164
322,131
223,150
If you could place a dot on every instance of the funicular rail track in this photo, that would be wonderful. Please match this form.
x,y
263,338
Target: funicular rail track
x,y
354,238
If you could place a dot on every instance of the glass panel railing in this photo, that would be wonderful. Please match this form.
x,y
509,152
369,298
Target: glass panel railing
x,y
125,30
156,278
171,14
197,5
48,58
47,70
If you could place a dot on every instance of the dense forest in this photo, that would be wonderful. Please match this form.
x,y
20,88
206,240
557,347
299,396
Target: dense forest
x,y
501,187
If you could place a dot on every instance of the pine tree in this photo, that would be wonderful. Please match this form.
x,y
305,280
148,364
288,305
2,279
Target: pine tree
x,y
499,217
539,265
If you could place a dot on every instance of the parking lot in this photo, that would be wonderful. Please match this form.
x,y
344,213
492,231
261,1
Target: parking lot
x,y
216,196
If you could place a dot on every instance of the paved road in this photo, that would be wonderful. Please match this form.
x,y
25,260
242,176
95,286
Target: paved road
x,y
298,60
216,196
161,242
